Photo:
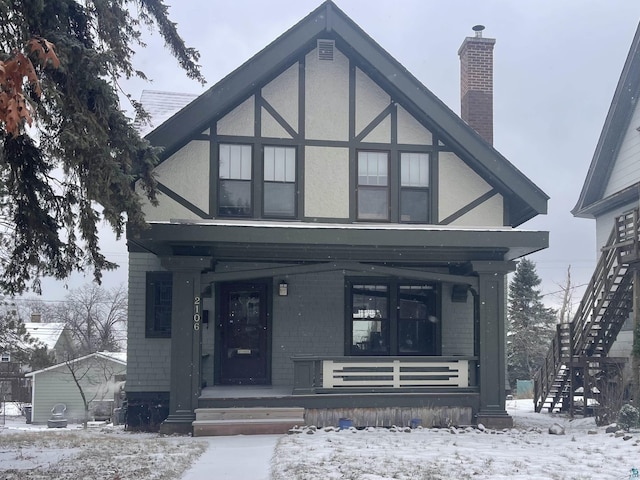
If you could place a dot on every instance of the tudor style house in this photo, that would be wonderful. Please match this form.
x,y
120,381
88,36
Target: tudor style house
x,y
330,238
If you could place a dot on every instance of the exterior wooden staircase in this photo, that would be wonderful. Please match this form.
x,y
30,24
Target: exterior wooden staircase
x,y
577,363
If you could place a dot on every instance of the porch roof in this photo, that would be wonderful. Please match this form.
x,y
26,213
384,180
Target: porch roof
x,y
298,241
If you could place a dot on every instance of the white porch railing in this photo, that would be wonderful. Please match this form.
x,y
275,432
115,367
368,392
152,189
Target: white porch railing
x,y
312,374
394,374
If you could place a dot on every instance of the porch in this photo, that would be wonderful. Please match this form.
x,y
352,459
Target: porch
x,y
370,391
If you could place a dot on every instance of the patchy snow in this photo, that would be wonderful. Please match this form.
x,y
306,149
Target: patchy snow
x,y
526,451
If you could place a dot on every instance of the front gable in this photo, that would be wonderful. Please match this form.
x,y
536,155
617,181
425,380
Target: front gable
x,y
328,106
614,174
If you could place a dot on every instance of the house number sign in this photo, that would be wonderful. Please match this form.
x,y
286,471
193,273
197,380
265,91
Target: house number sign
x,y
196,313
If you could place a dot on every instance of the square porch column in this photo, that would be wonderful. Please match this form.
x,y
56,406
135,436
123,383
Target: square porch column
x,y
186,324
491,300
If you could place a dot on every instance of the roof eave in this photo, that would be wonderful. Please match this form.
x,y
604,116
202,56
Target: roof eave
x,y
328,18
615,126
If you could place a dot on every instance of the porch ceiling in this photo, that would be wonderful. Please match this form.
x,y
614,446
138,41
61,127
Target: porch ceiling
x,y
291,242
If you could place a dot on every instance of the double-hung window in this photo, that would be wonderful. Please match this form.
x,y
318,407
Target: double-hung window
x,y
393,318
243,186
279,191
373,185
235,181
414,187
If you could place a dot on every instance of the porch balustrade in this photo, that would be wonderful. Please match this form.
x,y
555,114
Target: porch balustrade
x,y
341,374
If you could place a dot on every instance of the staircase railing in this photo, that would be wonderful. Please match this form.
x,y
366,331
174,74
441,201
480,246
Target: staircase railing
x,y
605,306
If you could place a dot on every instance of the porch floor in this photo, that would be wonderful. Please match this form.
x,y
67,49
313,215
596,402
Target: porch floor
x,y
245,391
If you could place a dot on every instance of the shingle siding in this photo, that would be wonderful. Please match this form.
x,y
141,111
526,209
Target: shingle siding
x,y
309,320
457,324
148,358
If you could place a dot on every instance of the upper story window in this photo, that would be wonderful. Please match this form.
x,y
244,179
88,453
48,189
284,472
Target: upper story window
x,y
5,357
393,189
373,185
235,181
246,189
414,187
279,193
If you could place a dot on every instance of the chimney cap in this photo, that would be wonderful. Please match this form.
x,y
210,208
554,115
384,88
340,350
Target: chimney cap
x,y
478,29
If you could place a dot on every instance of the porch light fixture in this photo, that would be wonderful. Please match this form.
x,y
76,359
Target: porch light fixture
x,y
283,289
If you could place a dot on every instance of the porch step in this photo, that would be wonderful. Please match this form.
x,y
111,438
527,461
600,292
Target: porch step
x,y
246,421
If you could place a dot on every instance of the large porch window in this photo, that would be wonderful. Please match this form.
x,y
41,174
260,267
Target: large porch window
x,y
393,318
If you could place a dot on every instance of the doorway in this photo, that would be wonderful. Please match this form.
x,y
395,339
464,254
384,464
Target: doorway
x,y
243,334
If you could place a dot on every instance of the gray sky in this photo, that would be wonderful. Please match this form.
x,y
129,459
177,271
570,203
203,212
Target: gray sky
x,y
556,65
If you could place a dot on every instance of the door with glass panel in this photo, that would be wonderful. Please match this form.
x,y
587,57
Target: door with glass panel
x,y
243,334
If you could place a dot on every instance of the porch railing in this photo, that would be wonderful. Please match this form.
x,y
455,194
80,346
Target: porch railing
x,y
329,375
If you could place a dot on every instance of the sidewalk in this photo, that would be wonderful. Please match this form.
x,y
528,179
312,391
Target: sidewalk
x,y
240,457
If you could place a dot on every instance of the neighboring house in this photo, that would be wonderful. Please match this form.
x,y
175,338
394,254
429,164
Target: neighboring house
x,y
13,383
329,236
100,375
55,336
612,185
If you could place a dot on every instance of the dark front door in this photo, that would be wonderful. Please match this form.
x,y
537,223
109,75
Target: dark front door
x,y
243,334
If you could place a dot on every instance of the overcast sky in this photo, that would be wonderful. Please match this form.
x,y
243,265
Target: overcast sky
x,y
556,66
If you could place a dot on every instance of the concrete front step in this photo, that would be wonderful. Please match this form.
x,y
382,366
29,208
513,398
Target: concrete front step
x,y
246,421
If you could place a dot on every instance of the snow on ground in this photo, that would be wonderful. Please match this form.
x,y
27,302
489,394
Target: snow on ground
x,y
526,451
101,452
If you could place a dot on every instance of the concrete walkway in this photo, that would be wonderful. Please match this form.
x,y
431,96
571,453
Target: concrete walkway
x,y
239,457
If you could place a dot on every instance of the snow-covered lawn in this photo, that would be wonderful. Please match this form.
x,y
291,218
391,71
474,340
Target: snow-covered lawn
x,y
100,452
527,451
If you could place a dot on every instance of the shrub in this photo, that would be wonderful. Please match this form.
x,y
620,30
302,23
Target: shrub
x,y
628,416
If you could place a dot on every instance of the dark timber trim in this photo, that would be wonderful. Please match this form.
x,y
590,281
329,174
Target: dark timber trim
x,y
374,123
467,208
527,199
271,272
283,123
182,201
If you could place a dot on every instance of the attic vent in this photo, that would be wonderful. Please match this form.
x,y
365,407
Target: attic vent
x,y
325,50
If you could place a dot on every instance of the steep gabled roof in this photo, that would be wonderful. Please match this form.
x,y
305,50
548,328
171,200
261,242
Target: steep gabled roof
x,y
625,98
160,106
328,21
46,333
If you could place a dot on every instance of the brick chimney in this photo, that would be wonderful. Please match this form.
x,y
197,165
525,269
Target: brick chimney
x,y
476,83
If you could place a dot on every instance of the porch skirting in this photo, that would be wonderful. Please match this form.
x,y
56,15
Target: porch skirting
x,y
433,408
426,416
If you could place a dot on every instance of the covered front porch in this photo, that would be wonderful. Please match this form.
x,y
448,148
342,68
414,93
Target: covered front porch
x,y
377,324
365,391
